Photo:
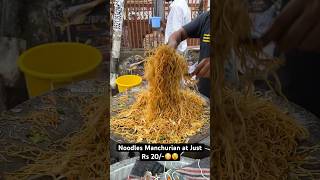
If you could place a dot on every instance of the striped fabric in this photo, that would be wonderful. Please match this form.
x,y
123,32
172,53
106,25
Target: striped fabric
x,y
194,173
199,170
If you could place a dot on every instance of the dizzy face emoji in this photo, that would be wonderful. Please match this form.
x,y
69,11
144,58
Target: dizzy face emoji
x,y
175,156
167,156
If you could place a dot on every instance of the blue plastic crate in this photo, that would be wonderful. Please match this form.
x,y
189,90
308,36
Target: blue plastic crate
x,y
155,22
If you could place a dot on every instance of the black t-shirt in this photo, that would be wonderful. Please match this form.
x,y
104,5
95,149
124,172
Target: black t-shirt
x,y
200,28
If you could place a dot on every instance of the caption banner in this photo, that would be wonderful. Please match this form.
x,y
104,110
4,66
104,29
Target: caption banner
x,y
160,152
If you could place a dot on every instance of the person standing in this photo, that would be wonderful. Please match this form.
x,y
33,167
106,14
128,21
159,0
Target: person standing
x,y
198,28
296,32
179,15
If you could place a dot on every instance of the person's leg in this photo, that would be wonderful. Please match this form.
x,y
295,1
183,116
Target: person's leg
x,y
287,74
231,72
204,86
230,77
301,78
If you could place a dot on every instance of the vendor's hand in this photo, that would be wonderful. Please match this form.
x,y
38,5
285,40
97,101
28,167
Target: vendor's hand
x,y
177,37
172,44
203,69
297,27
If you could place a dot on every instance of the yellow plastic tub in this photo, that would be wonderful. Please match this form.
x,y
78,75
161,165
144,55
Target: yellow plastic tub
x,y
128,81
50,66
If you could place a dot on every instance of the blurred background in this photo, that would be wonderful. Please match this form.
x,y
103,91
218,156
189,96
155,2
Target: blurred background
x,y
25,24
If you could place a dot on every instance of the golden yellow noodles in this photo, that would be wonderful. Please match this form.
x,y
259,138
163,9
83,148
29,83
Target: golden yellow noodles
x,y
264,139
164,112
251,137
84,154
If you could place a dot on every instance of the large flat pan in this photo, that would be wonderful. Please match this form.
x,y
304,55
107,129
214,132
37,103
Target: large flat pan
x,y
116,106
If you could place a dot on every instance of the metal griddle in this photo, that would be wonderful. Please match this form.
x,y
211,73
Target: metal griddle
x,y
201,137
13,130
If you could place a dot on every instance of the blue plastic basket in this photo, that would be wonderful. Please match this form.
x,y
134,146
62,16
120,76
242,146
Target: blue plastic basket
x,y
155,22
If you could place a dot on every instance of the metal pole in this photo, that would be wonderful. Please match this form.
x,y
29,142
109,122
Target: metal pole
x,y
117,33
201,7
160,8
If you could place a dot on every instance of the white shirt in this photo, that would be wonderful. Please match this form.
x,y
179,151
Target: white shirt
x,y
179,16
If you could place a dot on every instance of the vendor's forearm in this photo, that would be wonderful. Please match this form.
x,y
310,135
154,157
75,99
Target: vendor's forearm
x,y
177,37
